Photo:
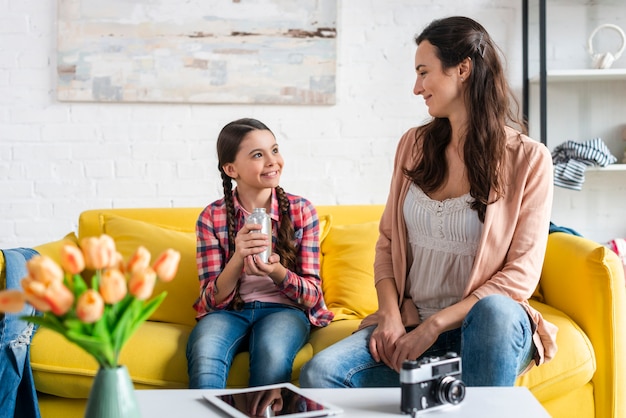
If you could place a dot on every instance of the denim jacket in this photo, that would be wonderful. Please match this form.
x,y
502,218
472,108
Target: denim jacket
x,y
18,397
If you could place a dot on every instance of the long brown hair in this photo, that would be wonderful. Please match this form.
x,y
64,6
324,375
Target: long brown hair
x,y
489,101
228,142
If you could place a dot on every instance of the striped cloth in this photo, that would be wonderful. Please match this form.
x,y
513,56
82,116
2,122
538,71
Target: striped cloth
x,y
571,159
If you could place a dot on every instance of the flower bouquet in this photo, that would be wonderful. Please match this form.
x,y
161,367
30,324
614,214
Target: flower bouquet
x,y
102,313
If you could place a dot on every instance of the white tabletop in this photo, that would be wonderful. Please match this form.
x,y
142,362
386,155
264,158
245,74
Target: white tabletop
x,y
486,402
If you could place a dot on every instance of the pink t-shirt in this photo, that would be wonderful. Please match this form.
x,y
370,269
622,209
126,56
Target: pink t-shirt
x,y
261,289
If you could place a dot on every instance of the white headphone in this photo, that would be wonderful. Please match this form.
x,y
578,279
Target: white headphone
x,y
605,59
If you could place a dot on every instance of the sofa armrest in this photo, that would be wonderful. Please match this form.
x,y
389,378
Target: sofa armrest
x,y
585,280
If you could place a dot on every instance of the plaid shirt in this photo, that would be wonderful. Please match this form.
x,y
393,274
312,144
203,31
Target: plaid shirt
x,y
302,286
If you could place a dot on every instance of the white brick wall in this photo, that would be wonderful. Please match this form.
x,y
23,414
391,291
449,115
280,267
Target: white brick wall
x,y
58,159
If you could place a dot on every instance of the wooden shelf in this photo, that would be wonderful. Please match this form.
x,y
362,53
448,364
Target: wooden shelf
x,y
610,167
610,74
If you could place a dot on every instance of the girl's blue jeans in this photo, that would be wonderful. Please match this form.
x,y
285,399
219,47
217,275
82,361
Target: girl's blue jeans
x,y
495,343
272,333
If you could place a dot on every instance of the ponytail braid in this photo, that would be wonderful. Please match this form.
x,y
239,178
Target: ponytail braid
x,y
285,247
237,302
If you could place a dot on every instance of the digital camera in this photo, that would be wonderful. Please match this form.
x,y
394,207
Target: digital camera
x,y
430,383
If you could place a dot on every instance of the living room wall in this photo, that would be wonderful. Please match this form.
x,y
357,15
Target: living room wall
x,y
60,158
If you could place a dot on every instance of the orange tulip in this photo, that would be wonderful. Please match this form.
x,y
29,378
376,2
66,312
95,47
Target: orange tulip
x,y
34,293
72,259
90,306
117,263
141,283
52,296
12,301
166,265
112,286
99,251
44,270
140,260
60,298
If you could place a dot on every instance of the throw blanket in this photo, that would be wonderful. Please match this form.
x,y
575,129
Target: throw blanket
x,y
618,245
572,158
18,397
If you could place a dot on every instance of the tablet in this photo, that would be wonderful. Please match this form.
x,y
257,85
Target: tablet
x,y
284,399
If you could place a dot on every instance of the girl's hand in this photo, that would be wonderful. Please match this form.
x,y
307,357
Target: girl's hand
x,y
247,243
255,266
259,403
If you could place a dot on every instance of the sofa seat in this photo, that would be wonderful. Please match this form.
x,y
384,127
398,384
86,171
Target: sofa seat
x,y
581,291
68,373
562,374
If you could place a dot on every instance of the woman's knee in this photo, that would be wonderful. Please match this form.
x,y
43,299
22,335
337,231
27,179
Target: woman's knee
x,y
496,310
494,318
316,372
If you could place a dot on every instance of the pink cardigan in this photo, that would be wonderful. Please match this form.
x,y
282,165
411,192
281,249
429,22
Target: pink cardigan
x,y
513,242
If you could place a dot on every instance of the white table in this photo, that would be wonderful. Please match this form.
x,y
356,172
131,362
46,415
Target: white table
x,y
488,402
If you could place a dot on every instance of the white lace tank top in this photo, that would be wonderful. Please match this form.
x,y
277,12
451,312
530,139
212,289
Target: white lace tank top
x,y
443,240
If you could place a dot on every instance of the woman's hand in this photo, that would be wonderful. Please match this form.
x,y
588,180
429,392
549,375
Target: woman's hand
x,y
383,341
413,344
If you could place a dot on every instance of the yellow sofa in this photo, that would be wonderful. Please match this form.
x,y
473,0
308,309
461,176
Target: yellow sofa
x,y
582,291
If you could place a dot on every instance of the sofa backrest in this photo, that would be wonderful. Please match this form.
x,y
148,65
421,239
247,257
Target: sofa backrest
x,y
184,219
90,222
351,230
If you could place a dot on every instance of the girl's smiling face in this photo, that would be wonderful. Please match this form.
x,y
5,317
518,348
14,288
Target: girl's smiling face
x,y
442,90
258,163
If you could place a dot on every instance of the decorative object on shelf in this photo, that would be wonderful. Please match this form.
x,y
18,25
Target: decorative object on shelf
x,y
98,315
572,158
604,60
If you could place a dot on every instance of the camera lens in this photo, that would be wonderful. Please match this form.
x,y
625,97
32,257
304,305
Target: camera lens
x,y
450,390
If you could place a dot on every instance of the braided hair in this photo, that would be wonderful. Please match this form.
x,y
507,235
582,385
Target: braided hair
x,y
228,142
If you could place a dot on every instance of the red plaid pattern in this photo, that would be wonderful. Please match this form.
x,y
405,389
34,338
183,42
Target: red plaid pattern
x,y
302,286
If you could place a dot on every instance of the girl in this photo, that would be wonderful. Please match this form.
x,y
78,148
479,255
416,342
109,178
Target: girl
x,y
463,234
245,303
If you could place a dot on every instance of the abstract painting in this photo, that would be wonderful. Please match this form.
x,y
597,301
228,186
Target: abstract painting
x,y
197,51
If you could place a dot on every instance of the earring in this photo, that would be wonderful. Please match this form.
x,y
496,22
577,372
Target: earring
x,y
462,79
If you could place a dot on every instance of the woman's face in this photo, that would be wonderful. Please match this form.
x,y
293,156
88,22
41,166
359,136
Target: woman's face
x,y
442,91
258,163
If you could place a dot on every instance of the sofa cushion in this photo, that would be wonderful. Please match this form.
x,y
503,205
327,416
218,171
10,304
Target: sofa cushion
x,y
573,365
53,249
154,355
348,270
325,223
129,234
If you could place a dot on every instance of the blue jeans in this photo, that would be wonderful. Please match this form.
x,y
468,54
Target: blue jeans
x,y
495,342
18,397
274,334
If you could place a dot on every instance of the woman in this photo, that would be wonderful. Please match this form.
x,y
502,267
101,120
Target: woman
x,y
463,233
245,303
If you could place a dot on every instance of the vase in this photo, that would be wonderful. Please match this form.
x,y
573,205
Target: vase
x,y
112,395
